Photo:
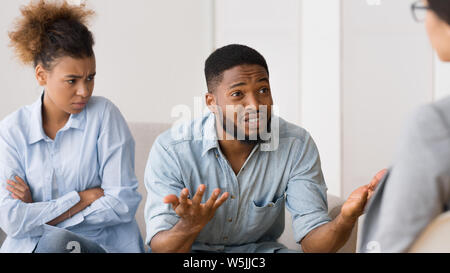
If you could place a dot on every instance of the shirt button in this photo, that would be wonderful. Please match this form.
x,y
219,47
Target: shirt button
x,y
270,205
230,220
233,197
225,238
217,155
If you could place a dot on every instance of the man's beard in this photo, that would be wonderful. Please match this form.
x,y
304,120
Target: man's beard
x,y
244,138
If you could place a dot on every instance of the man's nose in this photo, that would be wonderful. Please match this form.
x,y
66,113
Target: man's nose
x,y
252,102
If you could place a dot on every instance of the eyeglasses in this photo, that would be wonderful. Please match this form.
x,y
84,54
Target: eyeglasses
x,y
419,11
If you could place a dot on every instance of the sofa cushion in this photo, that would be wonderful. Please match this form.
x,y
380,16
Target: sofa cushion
x,y
144,135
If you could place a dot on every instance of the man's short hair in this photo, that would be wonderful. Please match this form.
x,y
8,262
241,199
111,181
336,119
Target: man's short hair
x,y
228,57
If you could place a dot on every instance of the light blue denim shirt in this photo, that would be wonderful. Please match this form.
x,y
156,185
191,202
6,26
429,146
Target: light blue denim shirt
x,y
94,149
254,212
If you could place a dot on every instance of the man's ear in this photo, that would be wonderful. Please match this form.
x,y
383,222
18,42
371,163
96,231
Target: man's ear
x,y
211,102
41,75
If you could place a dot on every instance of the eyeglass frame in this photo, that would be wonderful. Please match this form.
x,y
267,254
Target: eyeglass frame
x,y
415,6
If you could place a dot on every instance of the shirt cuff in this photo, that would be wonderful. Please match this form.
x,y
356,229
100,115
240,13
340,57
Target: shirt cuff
x,y
65,202
306,223
73,221
160,223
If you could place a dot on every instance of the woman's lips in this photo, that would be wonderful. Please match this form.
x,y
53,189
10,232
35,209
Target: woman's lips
x,y
80,105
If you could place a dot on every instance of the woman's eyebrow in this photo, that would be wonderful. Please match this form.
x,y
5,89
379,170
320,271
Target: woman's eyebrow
x,y
73,76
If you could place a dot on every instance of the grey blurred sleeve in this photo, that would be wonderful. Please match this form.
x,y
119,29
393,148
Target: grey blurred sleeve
x,y
418,186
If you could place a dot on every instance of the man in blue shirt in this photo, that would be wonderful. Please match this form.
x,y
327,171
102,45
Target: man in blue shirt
x,y
260,162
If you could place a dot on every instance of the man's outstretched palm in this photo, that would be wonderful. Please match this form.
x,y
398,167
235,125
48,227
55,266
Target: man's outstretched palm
x,y
356,202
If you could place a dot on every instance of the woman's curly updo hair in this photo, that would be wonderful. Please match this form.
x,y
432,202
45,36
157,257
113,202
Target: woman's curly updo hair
x,y
50,30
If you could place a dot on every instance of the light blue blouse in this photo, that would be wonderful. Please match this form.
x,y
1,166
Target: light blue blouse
x,y
94,149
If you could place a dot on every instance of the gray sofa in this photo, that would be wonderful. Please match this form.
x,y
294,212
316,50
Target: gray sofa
x,y
145,134
2,236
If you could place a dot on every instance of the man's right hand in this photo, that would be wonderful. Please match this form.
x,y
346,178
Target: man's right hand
x,y
193,214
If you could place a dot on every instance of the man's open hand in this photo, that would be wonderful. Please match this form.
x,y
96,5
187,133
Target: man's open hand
x,y
355,204
195,215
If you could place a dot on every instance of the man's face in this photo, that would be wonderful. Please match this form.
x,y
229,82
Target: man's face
x,y
244,102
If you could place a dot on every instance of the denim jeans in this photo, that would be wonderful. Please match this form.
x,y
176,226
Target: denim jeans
x,y
58,240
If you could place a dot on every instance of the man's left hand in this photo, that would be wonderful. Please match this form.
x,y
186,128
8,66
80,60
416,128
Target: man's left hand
x,y
356,202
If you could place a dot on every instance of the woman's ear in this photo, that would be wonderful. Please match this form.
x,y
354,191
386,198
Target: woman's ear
x,y
41,75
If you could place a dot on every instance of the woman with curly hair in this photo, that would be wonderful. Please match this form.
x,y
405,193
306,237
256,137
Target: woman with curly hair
x,y
67,180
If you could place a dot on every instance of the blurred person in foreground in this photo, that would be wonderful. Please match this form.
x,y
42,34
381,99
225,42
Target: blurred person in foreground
x,y
417,188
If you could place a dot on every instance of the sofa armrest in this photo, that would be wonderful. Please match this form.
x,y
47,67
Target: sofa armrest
x,y
434,238
334,208
2,237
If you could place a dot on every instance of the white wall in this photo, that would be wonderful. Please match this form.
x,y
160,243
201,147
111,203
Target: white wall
x,y
150,56
18,84
387,66
273,29
441,79
320,78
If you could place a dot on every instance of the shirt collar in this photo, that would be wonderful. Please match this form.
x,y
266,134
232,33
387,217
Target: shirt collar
x,y
77,121
36,130
209,134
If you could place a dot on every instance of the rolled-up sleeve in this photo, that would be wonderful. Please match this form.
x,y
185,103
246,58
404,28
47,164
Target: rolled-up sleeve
x,y
306,195
162,177
19,219
116,160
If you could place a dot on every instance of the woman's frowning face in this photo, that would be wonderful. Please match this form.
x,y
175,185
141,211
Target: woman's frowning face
x,y
69,83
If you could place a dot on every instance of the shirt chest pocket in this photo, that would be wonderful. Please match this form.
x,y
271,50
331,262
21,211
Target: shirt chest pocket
x,y
262,217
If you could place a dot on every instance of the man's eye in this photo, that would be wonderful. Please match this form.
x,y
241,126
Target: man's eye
x,y
235,94
71,81
91,78
264,90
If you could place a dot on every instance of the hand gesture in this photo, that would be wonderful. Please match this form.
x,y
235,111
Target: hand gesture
x,y
195,215
355,204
